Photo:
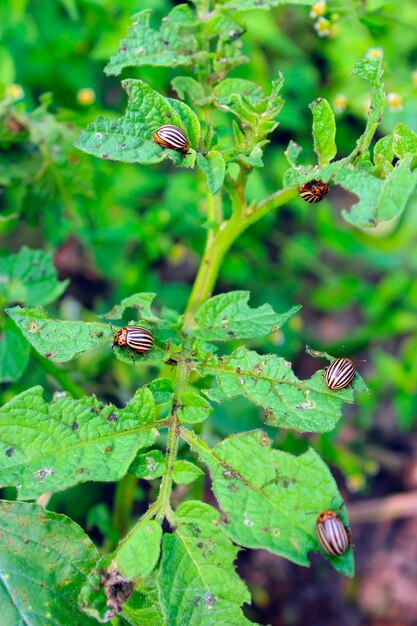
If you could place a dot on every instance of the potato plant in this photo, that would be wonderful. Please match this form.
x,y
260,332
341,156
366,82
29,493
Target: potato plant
x,y
176,565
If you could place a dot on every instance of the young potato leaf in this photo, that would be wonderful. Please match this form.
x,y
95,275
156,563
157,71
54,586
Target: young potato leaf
x,y
197,582
370,69
404,141
271,499
44,559
59,340
49,447
29,277
184,85
14,352
228,316
185,472
292,153
324,131
193,408
379,199
171,46
129,139
268,381
213,167
113,576
142,302
149,465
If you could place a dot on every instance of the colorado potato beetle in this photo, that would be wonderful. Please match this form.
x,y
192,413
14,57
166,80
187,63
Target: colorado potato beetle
x,y
339,374
137,338
170,136
332,535
314,191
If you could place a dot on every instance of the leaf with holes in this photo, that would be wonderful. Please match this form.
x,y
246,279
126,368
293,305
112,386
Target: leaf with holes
x,y
129,138
269,382
59,340
228,316
170,46
50,447
44,560
271,499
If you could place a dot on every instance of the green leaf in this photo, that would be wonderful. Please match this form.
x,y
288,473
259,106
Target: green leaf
x,y
113,576
29,277
249,5
149,465
44,559
404,141
213,166
185,472
184,85
193,407
272,499
142,302
49,447
58,340
269,382
384,148
378,199
371,70
197,581
14,353
171,46
324,131
162,389
129,139
292,153
228,316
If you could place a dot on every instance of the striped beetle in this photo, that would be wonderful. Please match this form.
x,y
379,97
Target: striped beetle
x,y
314,191
332,535
170,136
339,374
137,338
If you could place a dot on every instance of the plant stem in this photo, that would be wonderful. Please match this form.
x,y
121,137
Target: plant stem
x,y
60,375
219,245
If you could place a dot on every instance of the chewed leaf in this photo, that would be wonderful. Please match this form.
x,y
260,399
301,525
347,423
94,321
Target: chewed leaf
x,y
271,499
228,316
378,198
197,582
58,340
142,302
49,447
269,382
171,46
44,558
129,138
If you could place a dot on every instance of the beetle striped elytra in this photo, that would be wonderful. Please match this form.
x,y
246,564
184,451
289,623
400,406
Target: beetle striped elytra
x,y
314,191
137,338
339,374
332,535
170,136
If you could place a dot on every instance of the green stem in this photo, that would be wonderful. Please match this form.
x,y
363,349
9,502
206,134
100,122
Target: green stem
x,y
217,247
60,375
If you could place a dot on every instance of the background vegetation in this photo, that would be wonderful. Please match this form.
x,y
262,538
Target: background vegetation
x,y
114,229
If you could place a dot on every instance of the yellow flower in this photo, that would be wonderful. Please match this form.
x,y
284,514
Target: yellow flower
x,y
15,92
395,101
322,27
340,102
86,96
414,78
318,9
375,53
